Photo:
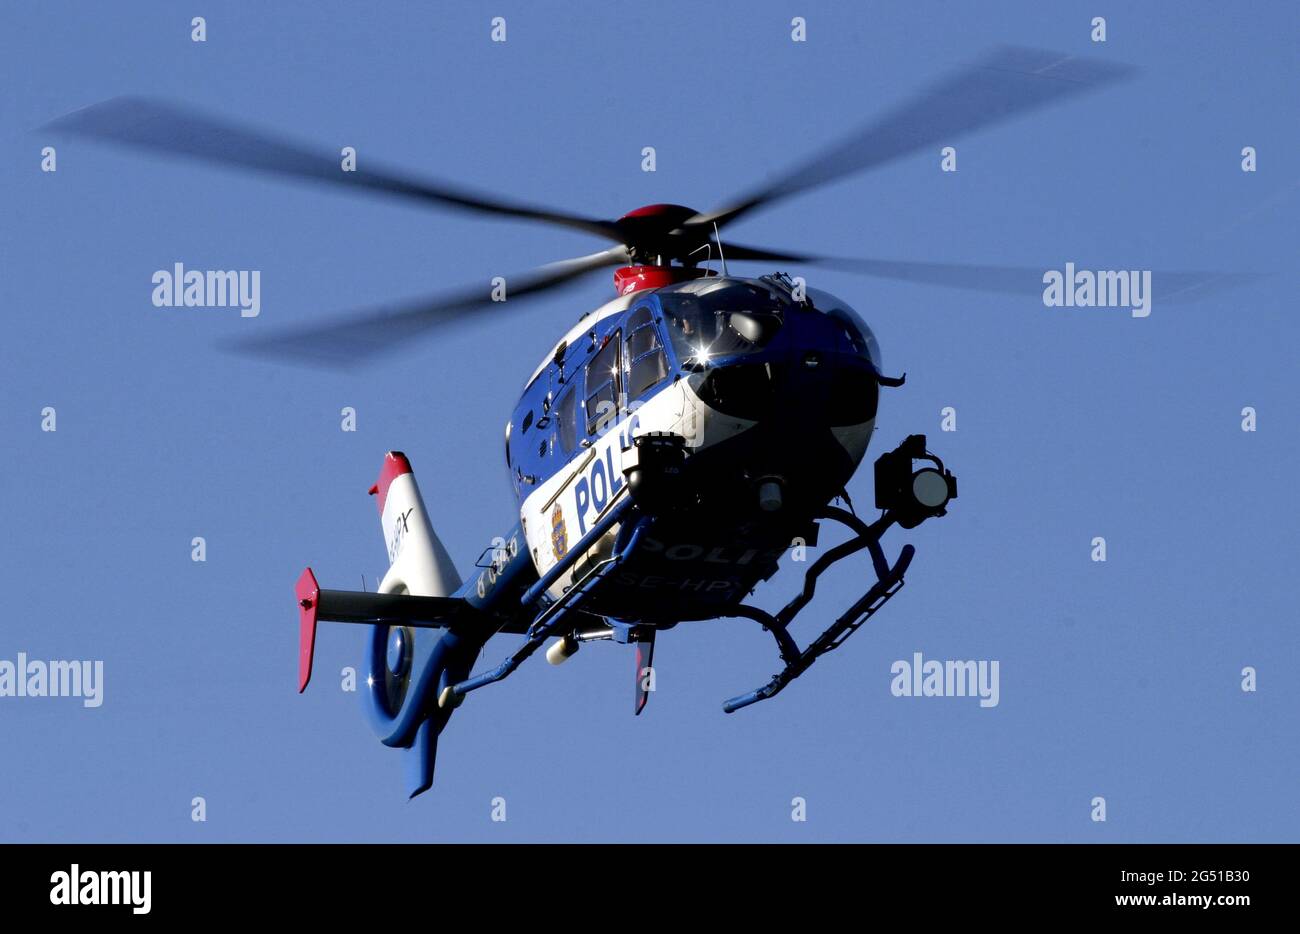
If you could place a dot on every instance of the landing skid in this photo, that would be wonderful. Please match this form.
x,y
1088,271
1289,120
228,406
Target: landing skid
x,y
889,581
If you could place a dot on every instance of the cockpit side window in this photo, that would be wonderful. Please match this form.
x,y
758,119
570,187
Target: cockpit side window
x,y
857,335
646,362
706,320
640,317
604,383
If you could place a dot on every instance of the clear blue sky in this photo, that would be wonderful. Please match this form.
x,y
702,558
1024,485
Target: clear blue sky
x,y
1118,679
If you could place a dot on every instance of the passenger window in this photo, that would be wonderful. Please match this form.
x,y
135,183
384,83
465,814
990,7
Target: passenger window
x,y
603,385
647,364
567,415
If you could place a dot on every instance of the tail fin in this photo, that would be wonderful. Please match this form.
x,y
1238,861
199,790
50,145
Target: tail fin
x,y
418,565
418,562
416,645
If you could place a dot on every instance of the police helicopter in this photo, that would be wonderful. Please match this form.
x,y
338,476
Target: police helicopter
x,y
671,445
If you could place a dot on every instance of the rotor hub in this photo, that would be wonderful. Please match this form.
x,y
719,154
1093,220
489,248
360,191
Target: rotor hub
x,y
654,235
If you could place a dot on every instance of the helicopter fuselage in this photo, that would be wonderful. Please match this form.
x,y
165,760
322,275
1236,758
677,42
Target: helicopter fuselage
x,y
773,399
675,444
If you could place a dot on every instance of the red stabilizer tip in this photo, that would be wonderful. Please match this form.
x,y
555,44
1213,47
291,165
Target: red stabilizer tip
x,y
308,592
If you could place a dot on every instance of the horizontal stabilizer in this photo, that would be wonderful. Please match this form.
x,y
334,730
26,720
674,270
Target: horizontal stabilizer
x,y
354,606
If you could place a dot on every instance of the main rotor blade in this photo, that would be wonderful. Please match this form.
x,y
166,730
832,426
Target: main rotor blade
x,y
162,127
1006,83
1166,286
355,338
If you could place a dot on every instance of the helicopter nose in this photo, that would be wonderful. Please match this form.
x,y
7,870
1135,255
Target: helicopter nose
x,y
805,389
802,375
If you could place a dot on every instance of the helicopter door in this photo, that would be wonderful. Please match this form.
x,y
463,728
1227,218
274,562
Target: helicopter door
x,y
604,386
647,366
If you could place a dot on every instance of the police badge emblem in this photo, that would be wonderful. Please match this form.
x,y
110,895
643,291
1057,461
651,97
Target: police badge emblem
x,y
559,535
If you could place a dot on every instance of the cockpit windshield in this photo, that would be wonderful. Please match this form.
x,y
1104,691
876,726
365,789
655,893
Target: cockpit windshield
x,y
707,319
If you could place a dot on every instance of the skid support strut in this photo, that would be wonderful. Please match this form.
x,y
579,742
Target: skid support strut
x,y
889,579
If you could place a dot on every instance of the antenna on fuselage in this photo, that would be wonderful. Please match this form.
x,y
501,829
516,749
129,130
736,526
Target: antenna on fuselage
x,y
717,236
